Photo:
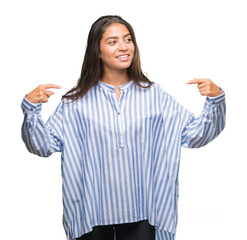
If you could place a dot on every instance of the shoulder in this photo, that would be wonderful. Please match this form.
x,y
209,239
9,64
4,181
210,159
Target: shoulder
x,y
157,89
153,86
157,94
165,99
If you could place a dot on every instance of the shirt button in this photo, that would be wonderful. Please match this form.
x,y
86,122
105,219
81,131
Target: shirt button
x,y
213,102
123,92
31,109
118,113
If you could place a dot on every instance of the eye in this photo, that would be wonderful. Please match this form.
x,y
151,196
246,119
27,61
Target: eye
x,y
129,40
112,42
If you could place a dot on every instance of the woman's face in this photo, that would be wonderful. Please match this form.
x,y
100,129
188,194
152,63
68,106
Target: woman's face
x,y
116,48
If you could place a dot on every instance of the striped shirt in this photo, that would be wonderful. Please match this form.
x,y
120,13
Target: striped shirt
x,y
120,159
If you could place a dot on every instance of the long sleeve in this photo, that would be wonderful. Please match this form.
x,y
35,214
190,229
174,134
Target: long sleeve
x,y
41,138
200,131
120,159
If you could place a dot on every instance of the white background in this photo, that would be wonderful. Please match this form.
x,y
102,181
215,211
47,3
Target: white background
x,y
44,42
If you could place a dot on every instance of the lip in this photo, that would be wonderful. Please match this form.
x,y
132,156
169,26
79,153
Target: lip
x,y
123,57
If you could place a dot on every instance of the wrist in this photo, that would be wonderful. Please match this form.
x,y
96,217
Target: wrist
x,y
216,93
30,107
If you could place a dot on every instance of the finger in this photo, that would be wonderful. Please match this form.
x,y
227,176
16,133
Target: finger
x,y
45,100
47,86
192,82
197,80
202,85
42,98
203,93
204,90
48,93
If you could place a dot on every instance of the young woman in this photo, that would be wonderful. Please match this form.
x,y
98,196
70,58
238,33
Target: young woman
x,y
120,137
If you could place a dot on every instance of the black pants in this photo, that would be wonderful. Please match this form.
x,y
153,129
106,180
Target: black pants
x,y
128,231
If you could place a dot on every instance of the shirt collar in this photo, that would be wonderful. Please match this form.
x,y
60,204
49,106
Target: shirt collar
x,y
112,88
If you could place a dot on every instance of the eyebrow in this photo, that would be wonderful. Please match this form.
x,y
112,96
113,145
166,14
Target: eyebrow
x,y
126,35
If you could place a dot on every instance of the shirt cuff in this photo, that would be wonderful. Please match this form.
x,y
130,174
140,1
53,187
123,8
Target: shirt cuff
x,y
31,108
216,101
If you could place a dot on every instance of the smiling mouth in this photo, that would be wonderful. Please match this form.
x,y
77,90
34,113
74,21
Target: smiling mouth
x,y
123,57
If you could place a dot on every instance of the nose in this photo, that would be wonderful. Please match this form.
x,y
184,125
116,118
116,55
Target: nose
x,y
122,46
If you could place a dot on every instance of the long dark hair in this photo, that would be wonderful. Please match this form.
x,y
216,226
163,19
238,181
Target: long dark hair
x,y
92,67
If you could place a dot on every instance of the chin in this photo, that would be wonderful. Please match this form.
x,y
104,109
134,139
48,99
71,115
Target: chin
x,y
119,66
124,65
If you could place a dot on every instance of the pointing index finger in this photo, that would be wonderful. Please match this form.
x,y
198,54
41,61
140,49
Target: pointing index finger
x,y
47,86
196,81
192,82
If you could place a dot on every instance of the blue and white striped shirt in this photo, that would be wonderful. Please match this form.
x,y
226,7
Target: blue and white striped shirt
x,y
120,159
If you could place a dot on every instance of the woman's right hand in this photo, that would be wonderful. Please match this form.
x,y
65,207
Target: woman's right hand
x,y
41,93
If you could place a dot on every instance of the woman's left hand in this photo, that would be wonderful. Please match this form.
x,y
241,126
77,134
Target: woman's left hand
x,y
206,87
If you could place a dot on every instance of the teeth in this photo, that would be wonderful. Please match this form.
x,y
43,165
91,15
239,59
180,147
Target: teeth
x,y
123,56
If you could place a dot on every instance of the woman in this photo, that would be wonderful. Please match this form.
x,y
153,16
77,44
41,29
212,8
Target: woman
x,y
120,137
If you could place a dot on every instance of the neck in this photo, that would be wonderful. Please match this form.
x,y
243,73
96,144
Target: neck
x,y
115,78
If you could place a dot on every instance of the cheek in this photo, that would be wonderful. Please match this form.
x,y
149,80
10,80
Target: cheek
x,y
133,52
132,49
106,52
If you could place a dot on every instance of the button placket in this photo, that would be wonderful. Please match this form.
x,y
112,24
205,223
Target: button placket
x,y
120,123
120,131
118,106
